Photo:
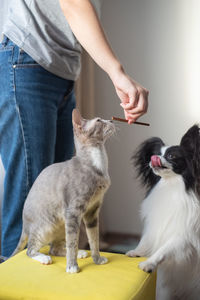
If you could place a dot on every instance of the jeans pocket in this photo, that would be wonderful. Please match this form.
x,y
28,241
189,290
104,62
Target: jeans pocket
x,y
4,49
24,60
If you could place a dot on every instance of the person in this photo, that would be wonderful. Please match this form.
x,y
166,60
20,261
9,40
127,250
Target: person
x,y
40,58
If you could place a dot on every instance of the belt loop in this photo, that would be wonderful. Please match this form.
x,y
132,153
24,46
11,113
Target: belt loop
x,y
5,40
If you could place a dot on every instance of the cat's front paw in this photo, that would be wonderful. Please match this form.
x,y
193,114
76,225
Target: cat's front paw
x,y
133,253
43,259
147,266
72,269
82,254
100,260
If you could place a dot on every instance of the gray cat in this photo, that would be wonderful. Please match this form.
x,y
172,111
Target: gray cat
x,y
65,193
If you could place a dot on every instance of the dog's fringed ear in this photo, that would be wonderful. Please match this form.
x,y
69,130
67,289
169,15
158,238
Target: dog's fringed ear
x,y
190,143
141,159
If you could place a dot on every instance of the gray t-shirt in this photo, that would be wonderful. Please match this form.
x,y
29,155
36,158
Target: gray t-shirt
x,y
40,28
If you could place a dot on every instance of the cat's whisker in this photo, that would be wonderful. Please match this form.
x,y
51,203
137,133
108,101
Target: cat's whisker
x,y
116,137
117,129
115,134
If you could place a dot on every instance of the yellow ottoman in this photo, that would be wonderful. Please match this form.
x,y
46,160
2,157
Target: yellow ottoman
x,y
23,278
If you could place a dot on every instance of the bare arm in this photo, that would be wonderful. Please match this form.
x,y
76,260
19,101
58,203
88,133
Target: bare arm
x,y
86,26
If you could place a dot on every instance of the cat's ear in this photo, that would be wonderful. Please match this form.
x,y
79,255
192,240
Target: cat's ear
x,y
76,118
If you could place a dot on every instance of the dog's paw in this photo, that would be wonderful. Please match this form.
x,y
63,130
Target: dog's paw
x,y
82,254
72,269
147,266
132,253
100,260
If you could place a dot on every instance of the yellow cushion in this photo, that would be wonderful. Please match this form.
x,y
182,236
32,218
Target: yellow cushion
x,y
120,279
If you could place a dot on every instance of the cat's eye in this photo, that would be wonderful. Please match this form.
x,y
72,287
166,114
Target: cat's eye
x,y
98,120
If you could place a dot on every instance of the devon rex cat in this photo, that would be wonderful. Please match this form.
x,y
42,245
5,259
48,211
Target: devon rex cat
x,y
65,193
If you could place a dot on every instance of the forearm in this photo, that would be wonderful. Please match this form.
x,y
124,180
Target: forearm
x,y
85,25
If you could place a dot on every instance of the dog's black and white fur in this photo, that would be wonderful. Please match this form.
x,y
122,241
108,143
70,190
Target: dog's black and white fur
x,y
171,215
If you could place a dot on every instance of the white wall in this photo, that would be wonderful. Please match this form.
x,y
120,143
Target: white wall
x,y
158,44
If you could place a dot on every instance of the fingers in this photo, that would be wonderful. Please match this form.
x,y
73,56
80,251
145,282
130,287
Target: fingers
x,y
133,96
138,107
122,96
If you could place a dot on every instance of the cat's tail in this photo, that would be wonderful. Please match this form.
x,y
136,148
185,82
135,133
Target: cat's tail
x,y
22,243
3,258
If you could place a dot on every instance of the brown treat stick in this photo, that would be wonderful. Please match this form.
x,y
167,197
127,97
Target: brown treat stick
x,y
124,120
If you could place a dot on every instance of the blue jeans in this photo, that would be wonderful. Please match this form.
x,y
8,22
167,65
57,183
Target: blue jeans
x,y
35,130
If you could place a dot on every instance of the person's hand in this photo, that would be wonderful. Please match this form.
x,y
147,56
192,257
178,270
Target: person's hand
x,y
134,97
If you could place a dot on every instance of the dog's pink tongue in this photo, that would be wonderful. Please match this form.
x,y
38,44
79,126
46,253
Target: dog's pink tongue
x,y
155,161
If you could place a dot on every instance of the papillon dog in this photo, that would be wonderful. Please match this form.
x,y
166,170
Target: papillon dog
x,y
171,215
